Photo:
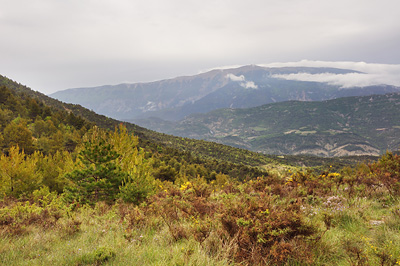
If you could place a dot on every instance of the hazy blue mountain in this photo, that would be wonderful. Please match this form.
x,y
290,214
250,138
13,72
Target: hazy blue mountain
x,y
367,125
243,87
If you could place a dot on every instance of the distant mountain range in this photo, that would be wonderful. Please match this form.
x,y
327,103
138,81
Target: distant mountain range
x,y
367,125
251,107
242,87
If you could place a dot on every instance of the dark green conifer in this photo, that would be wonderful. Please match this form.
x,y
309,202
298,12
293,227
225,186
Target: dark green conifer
x,y
100,177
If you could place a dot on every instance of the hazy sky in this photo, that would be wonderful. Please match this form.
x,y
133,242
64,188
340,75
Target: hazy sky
x,y
51,45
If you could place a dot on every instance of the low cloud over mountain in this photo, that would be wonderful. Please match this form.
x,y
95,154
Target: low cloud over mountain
x,y
370,74
242,81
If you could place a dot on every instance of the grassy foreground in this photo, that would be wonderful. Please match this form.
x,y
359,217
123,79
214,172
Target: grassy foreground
x,y
301,218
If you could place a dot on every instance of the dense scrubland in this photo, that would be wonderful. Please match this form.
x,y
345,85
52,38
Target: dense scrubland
x,y
129,217
72,193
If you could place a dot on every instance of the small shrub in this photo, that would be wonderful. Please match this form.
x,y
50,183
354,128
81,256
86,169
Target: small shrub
x,y
355,252
387,171
132,216
97,257
263,228
19,216
213,244
70,226
102,208
178,232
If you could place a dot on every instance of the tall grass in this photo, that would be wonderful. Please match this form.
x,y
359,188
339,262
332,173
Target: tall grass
x,y
102,239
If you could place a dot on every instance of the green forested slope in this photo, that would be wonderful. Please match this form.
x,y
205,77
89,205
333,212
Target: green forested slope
x,y
367,125
216,157
55,126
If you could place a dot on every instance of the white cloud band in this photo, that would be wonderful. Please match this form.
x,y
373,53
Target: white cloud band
x,y
372,74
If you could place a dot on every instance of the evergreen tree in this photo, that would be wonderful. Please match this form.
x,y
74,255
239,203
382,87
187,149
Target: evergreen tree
x,y
100,177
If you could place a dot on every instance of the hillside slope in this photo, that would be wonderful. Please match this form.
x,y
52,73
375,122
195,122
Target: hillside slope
x,y
367,125
151,140
202,152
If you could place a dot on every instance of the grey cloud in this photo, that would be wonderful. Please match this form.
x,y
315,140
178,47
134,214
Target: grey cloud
x,y
111,41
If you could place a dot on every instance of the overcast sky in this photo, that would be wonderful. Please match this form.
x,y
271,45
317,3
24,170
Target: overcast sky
x,y
51,45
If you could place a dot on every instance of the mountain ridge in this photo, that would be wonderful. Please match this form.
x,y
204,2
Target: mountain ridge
x,y
173,99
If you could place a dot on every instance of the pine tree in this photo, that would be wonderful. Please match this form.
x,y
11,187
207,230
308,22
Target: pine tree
x,y
100,177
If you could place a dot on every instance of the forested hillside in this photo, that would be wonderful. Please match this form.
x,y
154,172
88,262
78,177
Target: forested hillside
x,y
150,139
367,125
39,130
155,142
